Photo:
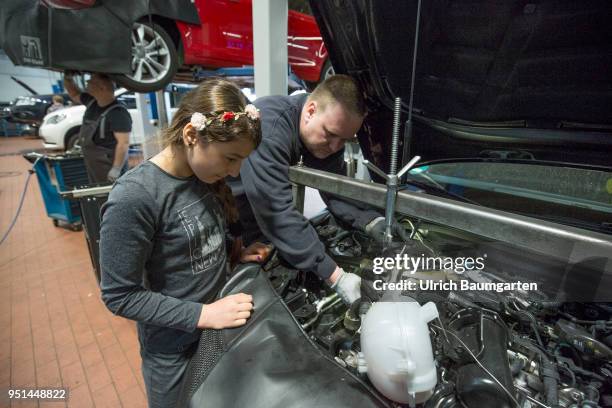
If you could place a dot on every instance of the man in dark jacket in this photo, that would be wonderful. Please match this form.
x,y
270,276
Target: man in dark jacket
x,y
105,131
313,127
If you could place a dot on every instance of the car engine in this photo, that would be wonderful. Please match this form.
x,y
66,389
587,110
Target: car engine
x,y
440,347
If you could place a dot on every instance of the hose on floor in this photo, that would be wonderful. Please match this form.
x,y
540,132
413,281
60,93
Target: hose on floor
x,y
25,189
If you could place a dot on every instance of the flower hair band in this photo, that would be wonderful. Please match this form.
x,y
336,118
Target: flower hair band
x,y
199,121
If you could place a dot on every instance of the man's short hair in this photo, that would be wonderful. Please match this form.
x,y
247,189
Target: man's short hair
x,y
340,89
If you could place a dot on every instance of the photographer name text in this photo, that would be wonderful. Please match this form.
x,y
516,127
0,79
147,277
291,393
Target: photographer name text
x,y
460,285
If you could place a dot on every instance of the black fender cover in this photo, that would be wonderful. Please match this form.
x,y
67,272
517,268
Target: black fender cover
x,y
95,39
269,362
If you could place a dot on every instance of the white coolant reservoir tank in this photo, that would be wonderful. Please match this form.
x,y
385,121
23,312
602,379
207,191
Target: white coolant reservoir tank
x,y
396,350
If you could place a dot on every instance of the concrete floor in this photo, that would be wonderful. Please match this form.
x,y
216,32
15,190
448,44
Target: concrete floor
x,y
55,329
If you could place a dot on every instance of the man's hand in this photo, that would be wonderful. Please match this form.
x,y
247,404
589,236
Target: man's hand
x,y
256,252
227,312
376,230
347,285
71,88
113,174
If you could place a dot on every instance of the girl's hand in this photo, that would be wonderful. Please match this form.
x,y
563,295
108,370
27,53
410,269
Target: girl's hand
x,y
227,312
256,252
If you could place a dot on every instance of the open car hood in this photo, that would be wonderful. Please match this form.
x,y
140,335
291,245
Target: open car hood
x,y
516,78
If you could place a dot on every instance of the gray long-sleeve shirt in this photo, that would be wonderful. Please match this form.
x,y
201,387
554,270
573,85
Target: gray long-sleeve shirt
x,y
162,254
263,191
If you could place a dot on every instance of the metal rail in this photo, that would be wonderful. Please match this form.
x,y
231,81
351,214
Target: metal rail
x,y
84,192
547,238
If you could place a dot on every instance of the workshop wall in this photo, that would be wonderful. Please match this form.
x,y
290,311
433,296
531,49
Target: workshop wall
x,y
40,80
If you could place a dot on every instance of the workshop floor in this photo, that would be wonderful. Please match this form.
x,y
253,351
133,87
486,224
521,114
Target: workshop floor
x,y
55,329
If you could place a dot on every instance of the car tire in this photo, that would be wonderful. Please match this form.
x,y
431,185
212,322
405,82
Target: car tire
x,y
326,72
154,59
72,138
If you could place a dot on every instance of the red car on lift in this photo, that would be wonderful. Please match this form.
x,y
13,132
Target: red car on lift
x,y
144,43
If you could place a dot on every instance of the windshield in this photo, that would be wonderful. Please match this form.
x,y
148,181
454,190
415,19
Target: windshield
x,y
570,195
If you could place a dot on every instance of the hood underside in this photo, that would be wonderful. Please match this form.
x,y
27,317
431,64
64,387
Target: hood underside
x,y
497,64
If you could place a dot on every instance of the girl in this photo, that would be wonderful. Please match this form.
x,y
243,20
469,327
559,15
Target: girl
x,y
162,242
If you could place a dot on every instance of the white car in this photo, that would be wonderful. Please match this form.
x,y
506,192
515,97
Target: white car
x,y
60,129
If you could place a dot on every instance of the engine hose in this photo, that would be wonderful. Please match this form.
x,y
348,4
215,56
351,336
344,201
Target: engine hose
x,y
551,381
443,397
604,323
549,373
572,376
461,300
533,323
591,397
554,306
25,189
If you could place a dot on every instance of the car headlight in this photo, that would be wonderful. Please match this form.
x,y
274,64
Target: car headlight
x,y
55,119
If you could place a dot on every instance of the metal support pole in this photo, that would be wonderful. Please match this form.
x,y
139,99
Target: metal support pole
x,y
392,186
392,178
149,145
270,46
162,111
299,192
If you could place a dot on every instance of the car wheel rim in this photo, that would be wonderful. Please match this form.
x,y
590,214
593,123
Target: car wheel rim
x,y
76,147
150,55
328,72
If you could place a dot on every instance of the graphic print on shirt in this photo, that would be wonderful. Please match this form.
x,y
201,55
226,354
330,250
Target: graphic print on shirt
x,y
202,221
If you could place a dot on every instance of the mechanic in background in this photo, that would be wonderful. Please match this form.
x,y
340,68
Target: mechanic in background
x,y
58,103
105,131
314,127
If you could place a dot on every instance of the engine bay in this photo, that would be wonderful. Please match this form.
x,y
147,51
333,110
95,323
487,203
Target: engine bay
x,y
429,342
